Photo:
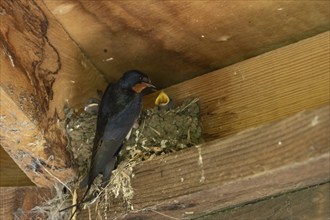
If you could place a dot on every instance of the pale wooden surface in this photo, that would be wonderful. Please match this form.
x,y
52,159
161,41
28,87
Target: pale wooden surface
x,y
258,163
42,69
259,90
174,41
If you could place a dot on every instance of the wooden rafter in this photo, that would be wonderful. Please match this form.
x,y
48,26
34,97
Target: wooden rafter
x,y
230,168
260,90
40,73
11,174
18,202
174,41
310,203
258,163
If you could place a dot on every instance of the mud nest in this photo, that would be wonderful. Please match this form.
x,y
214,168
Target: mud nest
x,y
159,132
162,132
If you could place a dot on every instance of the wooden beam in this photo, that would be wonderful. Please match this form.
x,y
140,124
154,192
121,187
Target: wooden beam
x,y
45,56
44,161
174,41
260,90
310,203
17,202
10,173
42,70
255,164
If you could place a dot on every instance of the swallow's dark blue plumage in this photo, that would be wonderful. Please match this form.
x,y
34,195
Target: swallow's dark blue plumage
x,y
119,108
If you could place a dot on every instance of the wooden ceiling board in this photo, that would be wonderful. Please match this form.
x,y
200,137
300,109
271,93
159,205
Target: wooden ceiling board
x,y
173,41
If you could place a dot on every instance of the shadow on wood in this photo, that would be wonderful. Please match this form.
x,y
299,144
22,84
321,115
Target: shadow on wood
x,y
174,41
260,90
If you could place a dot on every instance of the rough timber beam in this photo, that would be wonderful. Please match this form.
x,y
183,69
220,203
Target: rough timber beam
x,y
260,90
42,69
10,173
273,159
25,142
174,41
309,203
18,202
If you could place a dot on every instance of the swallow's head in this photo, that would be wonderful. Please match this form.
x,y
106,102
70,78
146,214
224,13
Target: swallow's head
x,y
135,80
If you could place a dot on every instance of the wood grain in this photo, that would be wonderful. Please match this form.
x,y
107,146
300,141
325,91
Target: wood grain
x,y
310,203
174,41
10,173
48,58
258,163
17,202
42,160
260,90
42,70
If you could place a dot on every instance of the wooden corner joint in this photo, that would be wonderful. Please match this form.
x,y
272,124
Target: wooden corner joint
x,y
40,153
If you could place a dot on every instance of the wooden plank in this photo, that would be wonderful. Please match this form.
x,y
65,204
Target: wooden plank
x,y
174,41
17,202
10,173
310,203
72,81
44,161
42,70
260,90
48,57
258,163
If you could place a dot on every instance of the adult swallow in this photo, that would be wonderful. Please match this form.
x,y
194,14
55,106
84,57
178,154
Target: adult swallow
x,y
119,108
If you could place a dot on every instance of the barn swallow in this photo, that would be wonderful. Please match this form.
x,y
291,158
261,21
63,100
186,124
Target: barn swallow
x,y
119,108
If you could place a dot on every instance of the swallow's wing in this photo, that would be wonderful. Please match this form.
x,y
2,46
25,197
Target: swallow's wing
x,y
112,104
117,114
119,124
